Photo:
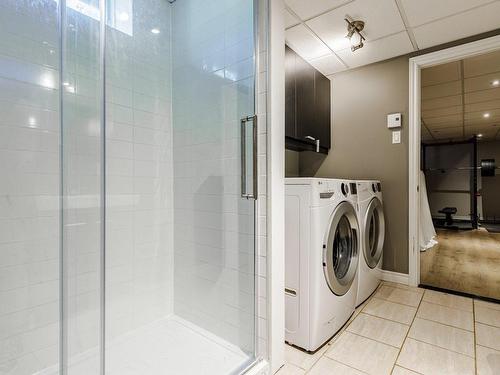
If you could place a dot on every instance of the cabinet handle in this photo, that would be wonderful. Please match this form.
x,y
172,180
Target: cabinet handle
x,y
315,140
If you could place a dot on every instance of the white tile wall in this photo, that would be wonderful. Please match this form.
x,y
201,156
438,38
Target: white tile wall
x,y
139,238
213,225
29,187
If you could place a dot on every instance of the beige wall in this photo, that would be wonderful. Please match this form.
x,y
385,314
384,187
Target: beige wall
x,y
362,148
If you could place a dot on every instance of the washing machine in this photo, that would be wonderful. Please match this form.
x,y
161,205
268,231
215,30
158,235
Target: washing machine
x,y
321,259
372,223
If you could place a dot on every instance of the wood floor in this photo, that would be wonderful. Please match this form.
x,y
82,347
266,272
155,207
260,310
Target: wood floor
x,y
464,261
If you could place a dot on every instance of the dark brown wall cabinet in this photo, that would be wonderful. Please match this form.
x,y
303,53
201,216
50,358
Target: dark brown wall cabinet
x,y
307,105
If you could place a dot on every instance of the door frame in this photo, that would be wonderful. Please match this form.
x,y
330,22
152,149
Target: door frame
x,y
416,64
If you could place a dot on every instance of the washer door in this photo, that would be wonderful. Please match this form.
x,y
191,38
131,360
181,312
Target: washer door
x,y
374,232
340,254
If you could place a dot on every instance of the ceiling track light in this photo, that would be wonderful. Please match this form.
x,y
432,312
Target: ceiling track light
x,y
354,29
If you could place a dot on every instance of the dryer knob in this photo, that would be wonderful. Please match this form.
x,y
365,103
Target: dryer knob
x,y
374,188
345,189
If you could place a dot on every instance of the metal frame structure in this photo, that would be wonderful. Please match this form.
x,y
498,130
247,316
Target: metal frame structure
x,y
472,168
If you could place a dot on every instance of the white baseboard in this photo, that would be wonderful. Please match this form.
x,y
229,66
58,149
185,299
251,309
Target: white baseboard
x,y
395,277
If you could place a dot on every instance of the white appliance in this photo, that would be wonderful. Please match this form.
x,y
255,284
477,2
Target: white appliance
x,y
321,259
372,223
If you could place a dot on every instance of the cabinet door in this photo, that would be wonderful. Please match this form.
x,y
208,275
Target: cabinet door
x,y
322,117
304,85
290,97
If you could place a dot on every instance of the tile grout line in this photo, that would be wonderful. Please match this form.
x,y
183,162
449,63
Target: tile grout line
x,y
407,333
447,325
475,340
381,317
440,347
486,324
395,321
376,340
333,340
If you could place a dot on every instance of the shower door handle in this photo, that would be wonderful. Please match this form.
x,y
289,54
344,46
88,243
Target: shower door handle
x,y
244,183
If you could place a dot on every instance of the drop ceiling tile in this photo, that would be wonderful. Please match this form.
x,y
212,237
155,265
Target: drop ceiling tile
x,y
381,18
483,106
472,22
443,102
302,41
441,73
454,110
481,96
456,132
306,9
487,132
483,82
483,64
328,64
478,117
380,49
440,90
444,125
290,19
423,11
433,122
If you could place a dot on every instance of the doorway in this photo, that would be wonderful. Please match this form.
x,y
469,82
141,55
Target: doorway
x,y
454,142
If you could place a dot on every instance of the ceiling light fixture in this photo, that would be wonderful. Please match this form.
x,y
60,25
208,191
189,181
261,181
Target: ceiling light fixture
x,y
354,29
155,31
479,135
495,82
486,115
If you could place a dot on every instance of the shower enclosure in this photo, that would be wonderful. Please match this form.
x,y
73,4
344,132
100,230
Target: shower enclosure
x,y
128,190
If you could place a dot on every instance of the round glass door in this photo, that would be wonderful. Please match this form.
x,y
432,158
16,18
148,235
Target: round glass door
x,y
340,258
374,232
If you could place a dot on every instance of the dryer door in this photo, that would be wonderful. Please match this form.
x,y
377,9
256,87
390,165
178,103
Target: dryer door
x,y
340,252
374,233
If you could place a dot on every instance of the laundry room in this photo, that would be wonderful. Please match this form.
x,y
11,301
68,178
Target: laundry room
x,y
400,180
249,187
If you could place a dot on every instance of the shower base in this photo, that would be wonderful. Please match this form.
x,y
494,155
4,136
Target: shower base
x,y
168,346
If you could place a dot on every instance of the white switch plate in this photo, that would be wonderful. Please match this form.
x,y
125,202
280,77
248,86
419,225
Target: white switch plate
x,y
396,136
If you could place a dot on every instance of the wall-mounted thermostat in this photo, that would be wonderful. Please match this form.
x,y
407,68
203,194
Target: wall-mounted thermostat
x,y
394,120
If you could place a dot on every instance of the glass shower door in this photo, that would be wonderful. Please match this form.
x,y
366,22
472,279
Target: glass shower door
x,y
128,194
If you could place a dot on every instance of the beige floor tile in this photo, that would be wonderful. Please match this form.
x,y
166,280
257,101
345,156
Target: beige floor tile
x,y
429,359
327,366
289,369
379,329
448,300
487,316
404,287
446,337
302,359
390,310
488,336
488,361
398,370
446,315
363,354
489,305
405,297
